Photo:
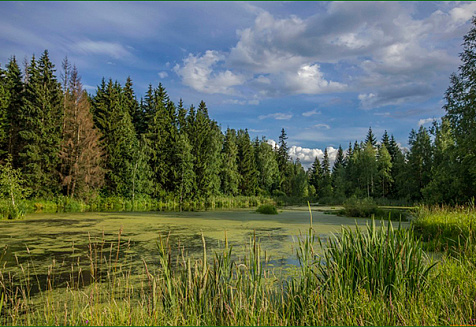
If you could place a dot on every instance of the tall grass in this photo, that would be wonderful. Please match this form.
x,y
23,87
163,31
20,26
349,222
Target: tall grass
x,y
380,261
445,228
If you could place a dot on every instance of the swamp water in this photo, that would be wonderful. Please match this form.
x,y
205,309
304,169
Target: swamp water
x,y
66,248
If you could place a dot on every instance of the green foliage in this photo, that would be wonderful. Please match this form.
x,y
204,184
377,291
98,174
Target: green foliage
x,y
12,189
40,127
380,261
267,209
355,207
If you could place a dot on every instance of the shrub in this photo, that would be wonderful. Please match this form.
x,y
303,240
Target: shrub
x,y
355,207
267,209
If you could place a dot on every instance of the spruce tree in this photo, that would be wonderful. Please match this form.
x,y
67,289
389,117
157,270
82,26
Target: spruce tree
x,y
246,164
230,177
338,174
4,124
41,118
371,138
461,114
119,139
325,188
15,88
267,167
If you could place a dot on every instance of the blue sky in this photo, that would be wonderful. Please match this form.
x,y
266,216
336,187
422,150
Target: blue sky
x,y
325,71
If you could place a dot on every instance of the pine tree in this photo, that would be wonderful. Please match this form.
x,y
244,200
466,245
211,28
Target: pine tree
x,y
4,124
15,89
418,167
461,114
371,138
385,140
230,177
184,175
315,176
118,138
338,174
325,188
246,164
267,167
81,153
41,118
444,186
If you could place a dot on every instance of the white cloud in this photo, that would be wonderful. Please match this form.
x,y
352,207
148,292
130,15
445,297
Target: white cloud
x,y
322,126
309,80
308,155
242,102
114,50
311,113
277,116
425,121
197,72
163,74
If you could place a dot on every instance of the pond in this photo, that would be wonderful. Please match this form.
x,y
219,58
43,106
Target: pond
x,y
69,241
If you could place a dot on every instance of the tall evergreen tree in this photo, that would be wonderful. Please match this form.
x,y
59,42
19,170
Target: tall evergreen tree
x,y
338,174
419,160
41,118
119,139
4,124
246,164
184,174
461,114
371,138
230,177
15,88
325,188
267,167
315,176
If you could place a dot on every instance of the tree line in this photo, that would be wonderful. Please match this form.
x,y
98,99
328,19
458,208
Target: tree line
x,y
65,141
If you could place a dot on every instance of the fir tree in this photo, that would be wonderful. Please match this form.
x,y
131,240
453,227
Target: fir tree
x,y
246,164
41,118
230,177
371,138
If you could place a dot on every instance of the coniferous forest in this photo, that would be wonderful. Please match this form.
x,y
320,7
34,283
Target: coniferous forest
x,y
61,141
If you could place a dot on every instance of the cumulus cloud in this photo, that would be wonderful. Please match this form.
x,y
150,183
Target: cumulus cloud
x,y
391,51
308,155
197,72
425,121
277,116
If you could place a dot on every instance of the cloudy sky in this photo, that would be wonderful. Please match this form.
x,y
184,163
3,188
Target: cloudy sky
x,y
323,71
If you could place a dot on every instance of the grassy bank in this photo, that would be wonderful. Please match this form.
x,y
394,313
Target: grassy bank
x,y
377,276
114,203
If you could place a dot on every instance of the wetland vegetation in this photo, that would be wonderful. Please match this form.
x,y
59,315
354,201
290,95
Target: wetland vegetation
x,y
73,155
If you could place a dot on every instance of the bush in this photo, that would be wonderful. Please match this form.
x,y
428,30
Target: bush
x,y
267,209
354,207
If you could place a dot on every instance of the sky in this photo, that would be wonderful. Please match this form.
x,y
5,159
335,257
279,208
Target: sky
x,y
323,71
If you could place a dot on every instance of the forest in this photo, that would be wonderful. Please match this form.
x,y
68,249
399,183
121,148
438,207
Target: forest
x,y
58,140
